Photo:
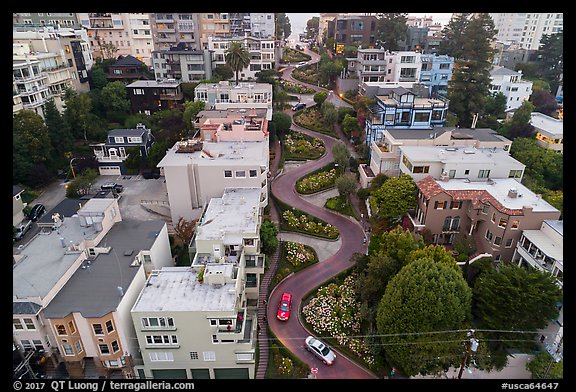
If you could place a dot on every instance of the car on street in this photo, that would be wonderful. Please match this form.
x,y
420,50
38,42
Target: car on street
x,y
118,188
36,212
298,106
284,307
151,174
22,229
301,63
320,350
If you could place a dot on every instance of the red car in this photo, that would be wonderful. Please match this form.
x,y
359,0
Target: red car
x,y
284,307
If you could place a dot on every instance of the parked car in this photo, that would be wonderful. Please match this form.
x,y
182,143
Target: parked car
x,y
319,349
112,186
298,106
301,63
22,229
36,212
152,173
284,307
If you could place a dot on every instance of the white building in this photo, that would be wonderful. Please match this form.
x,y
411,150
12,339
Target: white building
x,y
549,131
475,164
263,54
526,29
129,33
197,171
383,66
227,95
510,83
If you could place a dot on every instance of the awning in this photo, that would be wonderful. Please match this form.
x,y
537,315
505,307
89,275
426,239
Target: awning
x,y
232,239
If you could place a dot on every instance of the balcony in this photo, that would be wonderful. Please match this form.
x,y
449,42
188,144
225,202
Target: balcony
x,y
173,97
100,15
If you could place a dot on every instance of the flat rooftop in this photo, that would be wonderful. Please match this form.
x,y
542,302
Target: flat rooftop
x,y
178,289
234,86
220,153
550,246
480,134
499,188
546,123
236,212
93,290
458,155
46,260
155,83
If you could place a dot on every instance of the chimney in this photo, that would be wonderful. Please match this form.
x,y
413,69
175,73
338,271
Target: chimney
x,y
513,193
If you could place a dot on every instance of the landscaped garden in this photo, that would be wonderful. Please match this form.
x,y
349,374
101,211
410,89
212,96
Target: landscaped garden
x,y
340,204
296,220
294,56
301,147
284,364
291,87
318,180
309,74
311,118
294,257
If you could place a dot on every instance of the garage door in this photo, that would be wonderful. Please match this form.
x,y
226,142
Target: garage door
x,y
169,373
231,373
110,170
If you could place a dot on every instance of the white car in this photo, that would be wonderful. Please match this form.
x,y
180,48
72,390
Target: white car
x,y
320,350
301,63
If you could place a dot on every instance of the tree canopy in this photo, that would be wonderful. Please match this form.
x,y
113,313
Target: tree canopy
x,y
391,28
237,57
395,197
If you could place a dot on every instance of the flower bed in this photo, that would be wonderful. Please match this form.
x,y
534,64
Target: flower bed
x,y
292,87
298,146
333,311
307,224
298,254
311,118
316,182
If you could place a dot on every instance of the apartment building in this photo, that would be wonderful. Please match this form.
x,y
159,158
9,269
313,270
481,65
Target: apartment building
x,y
221,287
436,71
90,315
263,53
43,266
526,29
128,33
213,24
196,171
385,153
350,29
402,108
185,65
54,19
175,30
226,95
70,46
112,154
260,25
150,96
549,131
493,212
510,84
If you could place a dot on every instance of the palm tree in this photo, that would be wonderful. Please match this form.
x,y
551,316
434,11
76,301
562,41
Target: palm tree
x,y
237,58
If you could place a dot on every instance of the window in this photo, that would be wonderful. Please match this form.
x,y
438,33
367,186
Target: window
x,y
503,222
515,174
248,241
488,235
227,173
421,169
483,173
138,91
497,241
97,329
71,327
30,324
118,139
466,172
214,339
68,349
115,346
455,205
104,350
439,205
161,356
151,322
17,324
485,208
136,139
209,355
213,322
452,173
26,345
493,218
109,326
38,345
514,224
509,242
161,339
79,348
240,173
60,329
421,117
194,355
253,173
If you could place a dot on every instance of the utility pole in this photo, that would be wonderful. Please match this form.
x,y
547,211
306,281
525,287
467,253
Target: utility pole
x,y
470,345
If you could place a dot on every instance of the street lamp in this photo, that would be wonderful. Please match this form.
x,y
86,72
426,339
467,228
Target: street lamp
x,y
72,167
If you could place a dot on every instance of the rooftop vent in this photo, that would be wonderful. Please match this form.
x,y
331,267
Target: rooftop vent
x,y
513,193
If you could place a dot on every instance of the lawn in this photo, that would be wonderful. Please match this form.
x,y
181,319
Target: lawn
x,y
342,205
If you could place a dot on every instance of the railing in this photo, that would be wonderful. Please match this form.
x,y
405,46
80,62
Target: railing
x,y
172,96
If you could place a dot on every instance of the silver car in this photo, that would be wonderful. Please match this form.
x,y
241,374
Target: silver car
x,y
319,349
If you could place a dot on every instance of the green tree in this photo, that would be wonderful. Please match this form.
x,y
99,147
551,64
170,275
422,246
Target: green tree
x,y
544,102
267,76
225,72
282,123
108,50
268,237
171,125
470,84
551,56
519,125
391,28
283,26
341,156
30,144
134,162
237,57
544,168
452,43
58,130
350,124
97,77
320,97
514,298
77,113
330,117
395,197
312,27
191,110
425,296
157,152
438,253
345,185
188,90
543,366
115,97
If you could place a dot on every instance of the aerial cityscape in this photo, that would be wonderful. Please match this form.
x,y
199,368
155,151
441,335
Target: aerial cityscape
x,y
287,196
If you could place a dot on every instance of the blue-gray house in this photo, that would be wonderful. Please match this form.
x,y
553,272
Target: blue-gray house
x,y
112,154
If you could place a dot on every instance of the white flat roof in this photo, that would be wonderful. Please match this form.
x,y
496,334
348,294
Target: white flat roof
x,y
499,190
246,153
178,289
546,244
236,212
546,123
458,155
